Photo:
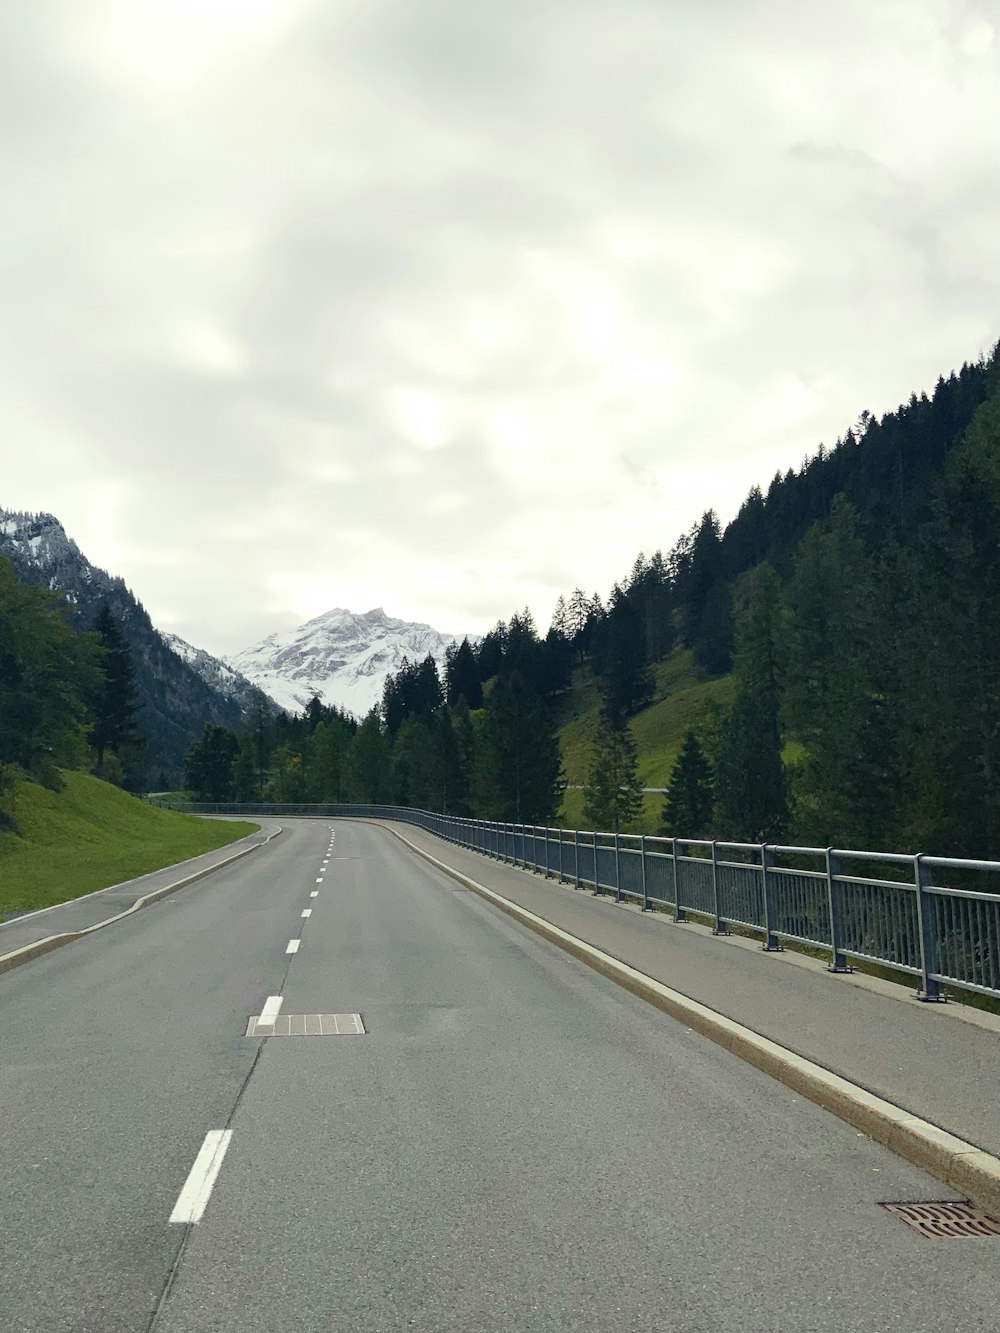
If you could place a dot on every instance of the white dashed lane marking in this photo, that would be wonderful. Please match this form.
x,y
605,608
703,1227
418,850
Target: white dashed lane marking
x,y
270,1011
193,1198
307,913
314,894
293,946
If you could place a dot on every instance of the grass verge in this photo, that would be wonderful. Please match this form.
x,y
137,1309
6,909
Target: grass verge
x,y
91,835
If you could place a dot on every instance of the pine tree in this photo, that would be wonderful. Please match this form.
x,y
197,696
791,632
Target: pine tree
x,y
951,662
834,697
750,790
47,675
620,660
208,769
518,768
462,676
612,797
367,764
687,809
115,706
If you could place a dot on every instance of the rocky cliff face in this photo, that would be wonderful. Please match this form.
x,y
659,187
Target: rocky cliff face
x,y
340,656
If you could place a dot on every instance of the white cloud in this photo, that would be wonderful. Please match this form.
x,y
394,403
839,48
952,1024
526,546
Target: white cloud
x,y
450,308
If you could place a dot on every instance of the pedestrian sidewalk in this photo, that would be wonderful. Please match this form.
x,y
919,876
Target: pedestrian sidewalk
x,y
94,909
938,1061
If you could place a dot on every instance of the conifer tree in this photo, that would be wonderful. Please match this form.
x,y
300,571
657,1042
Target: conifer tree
x,y
115,705
750,789
687,809
518,767
612,797
208,769
48,673
462,676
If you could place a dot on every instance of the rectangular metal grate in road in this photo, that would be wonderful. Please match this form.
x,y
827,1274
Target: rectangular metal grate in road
x,y
308,1025
945,1221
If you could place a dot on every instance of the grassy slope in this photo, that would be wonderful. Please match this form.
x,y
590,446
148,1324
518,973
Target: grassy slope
x,y
680,700
91,835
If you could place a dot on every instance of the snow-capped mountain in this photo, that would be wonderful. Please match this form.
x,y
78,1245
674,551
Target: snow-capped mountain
x,y
341,657
213,671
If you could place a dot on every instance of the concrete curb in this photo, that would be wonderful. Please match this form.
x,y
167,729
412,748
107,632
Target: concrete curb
x,y
958,1163
28,952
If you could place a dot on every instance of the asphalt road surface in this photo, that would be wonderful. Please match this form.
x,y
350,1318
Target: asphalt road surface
x,y
514,1142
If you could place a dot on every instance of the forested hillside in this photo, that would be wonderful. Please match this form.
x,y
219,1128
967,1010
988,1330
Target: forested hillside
x,y
173,702
849,615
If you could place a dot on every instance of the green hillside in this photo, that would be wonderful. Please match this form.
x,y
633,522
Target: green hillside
x,y
91,835
682,699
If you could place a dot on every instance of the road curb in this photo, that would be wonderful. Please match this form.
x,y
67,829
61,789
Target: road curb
x,y
28,952
962,1165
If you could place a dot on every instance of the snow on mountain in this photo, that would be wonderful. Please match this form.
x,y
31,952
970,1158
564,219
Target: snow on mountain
x,y
220,675
341,657
175,700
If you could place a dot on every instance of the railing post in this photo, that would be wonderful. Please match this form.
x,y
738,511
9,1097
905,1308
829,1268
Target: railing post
x,y
679,913
647,905
619,896
927,934
546,851
598,891
838,959
576,859
561,876
771,943
720,927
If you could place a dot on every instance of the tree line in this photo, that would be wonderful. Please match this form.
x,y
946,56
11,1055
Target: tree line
x,y
476,739
857,603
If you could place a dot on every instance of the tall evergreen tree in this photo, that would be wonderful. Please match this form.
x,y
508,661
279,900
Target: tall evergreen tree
x,y
115,706
462,676
47,675
367,765
612,797
750,792
750,789
620,660
834,697
208,770
951,666
687,808
518,771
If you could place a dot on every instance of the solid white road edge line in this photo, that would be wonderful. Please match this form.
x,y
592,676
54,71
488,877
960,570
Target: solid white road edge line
x,y
293,946
193,1198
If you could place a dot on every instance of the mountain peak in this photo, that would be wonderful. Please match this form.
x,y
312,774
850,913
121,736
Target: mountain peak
x,y
341,656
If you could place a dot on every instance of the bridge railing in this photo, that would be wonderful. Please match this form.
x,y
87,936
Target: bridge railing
x,y
935,918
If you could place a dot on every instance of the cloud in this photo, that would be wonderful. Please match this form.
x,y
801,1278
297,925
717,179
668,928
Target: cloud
x,y
451,308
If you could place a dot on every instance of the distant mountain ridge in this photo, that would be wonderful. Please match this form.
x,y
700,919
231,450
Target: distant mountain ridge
x,y
175,700
215,672
341,656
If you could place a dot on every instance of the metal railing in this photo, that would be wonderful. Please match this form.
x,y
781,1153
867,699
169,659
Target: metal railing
x,y
881,907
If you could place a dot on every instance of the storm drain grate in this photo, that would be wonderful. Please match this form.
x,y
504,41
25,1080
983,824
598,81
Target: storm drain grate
x,y
944,1221
307,1025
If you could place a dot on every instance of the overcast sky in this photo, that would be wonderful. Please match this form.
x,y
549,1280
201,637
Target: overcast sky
x,y
450,307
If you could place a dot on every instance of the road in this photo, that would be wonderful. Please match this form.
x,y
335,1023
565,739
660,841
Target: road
x,y
515,1143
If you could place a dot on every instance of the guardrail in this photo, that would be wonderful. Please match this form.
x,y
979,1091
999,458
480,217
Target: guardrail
x,y
880,907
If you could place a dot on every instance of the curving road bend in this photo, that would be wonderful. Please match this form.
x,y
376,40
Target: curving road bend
x,y
513,1144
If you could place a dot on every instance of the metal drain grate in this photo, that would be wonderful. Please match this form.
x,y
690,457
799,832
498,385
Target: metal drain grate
x,y
944,1221
308,1025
